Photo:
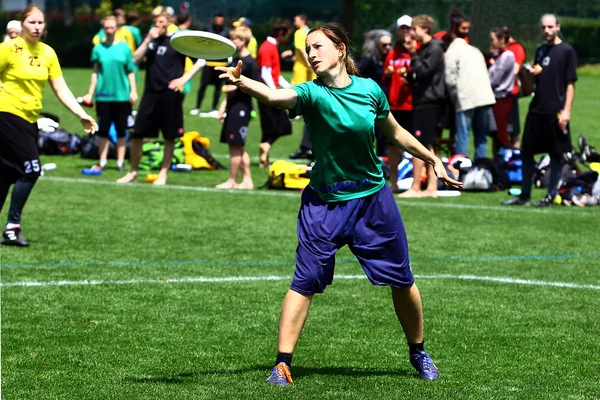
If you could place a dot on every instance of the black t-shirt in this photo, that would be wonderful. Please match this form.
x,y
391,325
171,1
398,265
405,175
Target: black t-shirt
x,y
250,70
559,67
163,64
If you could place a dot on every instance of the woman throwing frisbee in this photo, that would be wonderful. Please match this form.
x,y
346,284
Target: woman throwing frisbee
x,y
347,201
25,65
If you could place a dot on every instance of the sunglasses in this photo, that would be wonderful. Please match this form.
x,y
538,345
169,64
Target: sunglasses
x,y
386,44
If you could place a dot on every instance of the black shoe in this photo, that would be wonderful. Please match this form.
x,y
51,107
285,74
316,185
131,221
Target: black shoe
x,y
547,201
584,148
301,153
516,201
14,237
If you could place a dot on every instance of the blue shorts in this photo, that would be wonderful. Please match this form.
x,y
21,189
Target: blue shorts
x,y
372,228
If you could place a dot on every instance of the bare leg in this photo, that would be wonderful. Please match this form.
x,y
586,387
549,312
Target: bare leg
x,y
235,159
245,169
167,161
136,155
294,311
415,190
394,157
409,310
264,154
121,147
431,190
103,150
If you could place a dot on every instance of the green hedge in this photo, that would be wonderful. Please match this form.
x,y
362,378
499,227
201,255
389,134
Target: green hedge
x,y
583,35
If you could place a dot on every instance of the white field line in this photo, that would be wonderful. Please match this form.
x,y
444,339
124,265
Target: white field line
x,y
506,280
295,194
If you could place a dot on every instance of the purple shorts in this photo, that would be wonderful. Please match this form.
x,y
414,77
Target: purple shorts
x,y
372,228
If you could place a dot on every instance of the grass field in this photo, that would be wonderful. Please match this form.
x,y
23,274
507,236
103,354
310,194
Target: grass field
x,y
142,292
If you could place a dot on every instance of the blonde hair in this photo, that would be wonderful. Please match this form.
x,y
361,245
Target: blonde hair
x,y
241,32
424,21
159,10
108,18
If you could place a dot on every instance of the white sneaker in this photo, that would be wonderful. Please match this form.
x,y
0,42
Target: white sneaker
x,y
195,111
213,114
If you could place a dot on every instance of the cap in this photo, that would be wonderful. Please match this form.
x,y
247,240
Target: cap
x,y
170,11
14,24
404,20
242,21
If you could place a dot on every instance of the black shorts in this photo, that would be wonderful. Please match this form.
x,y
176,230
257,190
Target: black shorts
x,y
274,123
19,156
162,111
110,112
235,127
425,124
404,119
514,121
543,135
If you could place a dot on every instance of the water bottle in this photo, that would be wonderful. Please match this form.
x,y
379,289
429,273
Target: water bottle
x,y
181,167
514,191
85,103
49,167
91,171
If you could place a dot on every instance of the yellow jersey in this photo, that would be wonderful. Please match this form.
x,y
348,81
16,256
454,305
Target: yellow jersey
x,y
253,47
122,34
24,71
301,71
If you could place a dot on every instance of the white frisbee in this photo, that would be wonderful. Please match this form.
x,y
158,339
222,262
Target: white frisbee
x,y
201,44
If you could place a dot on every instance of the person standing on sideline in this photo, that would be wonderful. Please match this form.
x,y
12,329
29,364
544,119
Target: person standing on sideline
x,y
274,121
253,45
514,120
502,79
468,84
123,33
161,105
396,69
302,72
13,30
113,83
26,64
428,94
235,114
209,75
347,201
547,128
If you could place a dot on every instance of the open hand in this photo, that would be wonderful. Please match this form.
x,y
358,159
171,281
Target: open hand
x,y
442,175
89,124
232,74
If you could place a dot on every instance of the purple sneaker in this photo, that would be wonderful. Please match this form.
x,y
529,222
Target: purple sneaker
x,y
424,365
280,375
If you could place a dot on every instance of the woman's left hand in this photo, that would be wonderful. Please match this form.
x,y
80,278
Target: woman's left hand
x,y
442,175
89,124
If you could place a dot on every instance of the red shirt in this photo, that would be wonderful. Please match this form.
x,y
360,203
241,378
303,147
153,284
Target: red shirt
x,y
399,94
268,56
441,34
519,52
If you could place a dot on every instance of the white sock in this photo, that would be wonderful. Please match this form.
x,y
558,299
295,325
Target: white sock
x,y
103,162
120,163
12,226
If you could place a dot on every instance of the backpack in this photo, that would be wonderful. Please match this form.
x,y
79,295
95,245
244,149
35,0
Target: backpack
x,y
485,176
509,162
153,155
59,142
524,77
196,153
90,151
287,175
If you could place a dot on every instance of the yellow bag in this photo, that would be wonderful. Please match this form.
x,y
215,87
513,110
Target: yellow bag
x,y
195,151
287,175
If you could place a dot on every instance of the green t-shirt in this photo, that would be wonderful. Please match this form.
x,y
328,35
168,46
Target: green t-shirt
x,y
341,128
114,63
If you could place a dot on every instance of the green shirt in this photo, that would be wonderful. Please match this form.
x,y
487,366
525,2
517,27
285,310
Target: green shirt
x,y
341,128
114,63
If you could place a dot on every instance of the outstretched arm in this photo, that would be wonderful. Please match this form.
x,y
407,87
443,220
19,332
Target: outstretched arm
x,y
64,94
283,98
400,137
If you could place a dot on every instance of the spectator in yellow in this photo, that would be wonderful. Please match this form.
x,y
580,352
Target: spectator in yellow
x,y
302,70
253,44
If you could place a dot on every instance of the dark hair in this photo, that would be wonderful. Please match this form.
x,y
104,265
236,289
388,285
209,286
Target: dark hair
x,y
219,14
132,17
182,19
501,32
303,17
456,18
280,27
119,12
339,37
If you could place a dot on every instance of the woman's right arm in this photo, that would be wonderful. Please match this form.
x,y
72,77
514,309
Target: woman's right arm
x,y
282,98
93,82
